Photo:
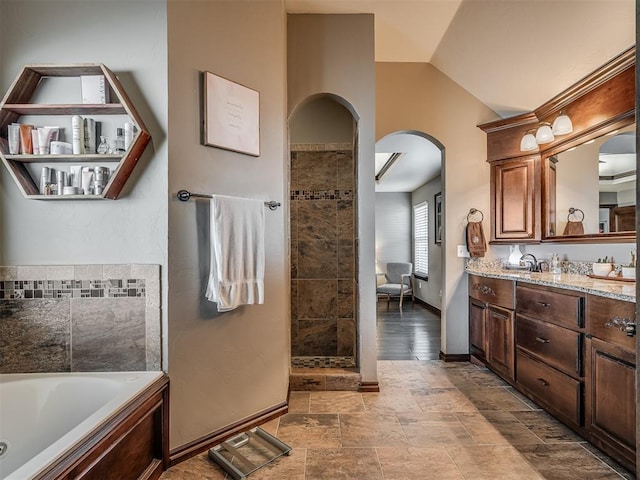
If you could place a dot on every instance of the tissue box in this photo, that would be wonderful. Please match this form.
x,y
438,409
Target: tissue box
x,y
94,89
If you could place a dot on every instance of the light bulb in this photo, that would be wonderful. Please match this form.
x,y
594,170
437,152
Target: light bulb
x,y
562,125
528,143
544,134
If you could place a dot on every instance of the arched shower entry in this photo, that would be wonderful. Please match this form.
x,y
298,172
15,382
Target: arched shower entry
x,y
323,233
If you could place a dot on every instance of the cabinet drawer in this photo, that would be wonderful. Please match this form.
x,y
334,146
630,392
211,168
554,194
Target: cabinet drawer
x,y
601,315
492,290
564,307
555,389
557,346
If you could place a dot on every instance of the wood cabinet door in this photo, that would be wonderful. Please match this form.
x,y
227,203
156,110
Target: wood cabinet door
x,y
516,200
499,332
477,332
610,397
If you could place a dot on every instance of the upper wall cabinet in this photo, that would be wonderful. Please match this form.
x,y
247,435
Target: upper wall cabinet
x,y
536,191
84,102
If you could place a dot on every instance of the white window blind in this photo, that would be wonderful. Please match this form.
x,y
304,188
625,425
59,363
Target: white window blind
x,y
421,239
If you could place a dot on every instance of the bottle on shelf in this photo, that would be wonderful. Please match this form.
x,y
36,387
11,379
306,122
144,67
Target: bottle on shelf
x,y
103,148
119,142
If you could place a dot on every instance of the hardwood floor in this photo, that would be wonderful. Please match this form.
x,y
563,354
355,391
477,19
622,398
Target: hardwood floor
x,y
413,334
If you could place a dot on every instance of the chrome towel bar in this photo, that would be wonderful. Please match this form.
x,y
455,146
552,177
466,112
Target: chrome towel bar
x,y
185,195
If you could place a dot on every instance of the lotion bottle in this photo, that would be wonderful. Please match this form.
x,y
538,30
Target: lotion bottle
x,y
77,134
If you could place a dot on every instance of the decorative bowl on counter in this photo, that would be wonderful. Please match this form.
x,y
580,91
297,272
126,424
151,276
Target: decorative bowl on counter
x,y
628,272
602,269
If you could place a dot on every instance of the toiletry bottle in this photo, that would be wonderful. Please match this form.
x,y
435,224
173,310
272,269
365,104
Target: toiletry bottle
x,y
119,143
62,181
45,181
103,148
77,134
555,264
128,135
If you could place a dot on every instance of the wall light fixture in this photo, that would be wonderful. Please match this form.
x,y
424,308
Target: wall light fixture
x,y
546,133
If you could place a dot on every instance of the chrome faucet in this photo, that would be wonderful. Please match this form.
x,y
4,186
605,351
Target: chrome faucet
x,y
531,260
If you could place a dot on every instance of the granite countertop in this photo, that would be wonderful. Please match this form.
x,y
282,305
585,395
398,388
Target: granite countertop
x,y
605,288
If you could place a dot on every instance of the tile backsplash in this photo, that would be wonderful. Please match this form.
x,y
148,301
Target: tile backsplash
x,y
76,318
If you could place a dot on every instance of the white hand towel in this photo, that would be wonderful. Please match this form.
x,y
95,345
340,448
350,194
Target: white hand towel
x,y
236,276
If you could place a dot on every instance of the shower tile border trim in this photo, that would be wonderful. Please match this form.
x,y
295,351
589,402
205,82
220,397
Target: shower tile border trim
x,y
321,194
320,147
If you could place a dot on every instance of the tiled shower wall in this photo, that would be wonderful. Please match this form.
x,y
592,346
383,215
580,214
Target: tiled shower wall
x,y
77,318
323,251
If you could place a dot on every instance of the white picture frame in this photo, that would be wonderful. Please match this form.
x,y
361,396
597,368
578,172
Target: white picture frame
x,y
231,115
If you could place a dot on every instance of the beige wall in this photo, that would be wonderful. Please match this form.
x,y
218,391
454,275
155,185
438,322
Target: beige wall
x,y
335,54
225,367
416,96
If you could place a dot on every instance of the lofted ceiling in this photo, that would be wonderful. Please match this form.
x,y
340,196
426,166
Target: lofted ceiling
x,y
512,55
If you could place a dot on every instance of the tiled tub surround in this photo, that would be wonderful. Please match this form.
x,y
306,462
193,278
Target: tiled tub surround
x,y
323,255
76,318
577,279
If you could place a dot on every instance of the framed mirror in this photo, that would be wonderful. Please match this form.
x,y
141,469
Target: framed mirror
x,y
589,190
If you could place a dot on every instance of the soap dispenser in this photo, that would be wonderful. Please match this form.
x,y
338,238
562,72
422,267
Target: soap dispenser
x,y
514,255
554,268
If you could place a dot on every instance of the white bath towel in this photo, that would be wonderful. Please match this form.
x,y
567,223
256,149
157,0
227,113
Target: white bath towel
x,y
236,276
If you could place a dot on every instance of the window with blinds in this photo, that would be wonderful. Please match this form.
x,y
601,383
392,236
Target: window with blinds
x,y
421,239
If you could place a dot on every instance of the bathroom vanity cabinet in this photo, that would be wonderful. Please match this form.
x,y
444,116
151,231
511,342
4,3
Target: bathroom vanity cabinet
x,y
491,317
549,349
515,199
570,351
610,366
18,105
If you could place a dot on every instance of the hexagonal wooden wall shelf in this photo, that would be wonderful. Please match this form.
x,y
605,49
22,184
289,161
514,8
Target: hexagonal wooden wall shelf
x,y
16,103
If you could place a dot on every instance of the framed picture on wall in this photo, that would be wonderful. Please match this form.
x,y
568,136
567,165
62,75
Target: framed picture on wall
x,y
437,214
231,115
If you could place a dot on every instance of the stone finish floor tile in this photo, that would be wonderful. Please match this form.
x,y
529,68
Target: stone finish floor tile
x,y
492,463
389,436
432,429
310,430
299,402
371,430
413,463
566,462
343,463
442,400
492,398
390,400
336,402
492,427
547,428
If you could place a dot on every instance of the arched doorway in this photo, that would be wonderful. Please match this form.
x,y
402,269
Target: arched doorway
x,y
409,182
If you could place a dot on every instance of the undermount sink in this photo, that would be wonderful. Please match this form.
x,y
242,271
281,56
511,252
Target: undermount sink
x,y
521,268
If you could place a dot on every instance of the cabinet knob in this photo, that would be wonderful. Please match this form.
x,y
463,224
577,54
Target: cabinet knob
x,y
484,289
623,324
542,340
543,382
630,329
544,304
